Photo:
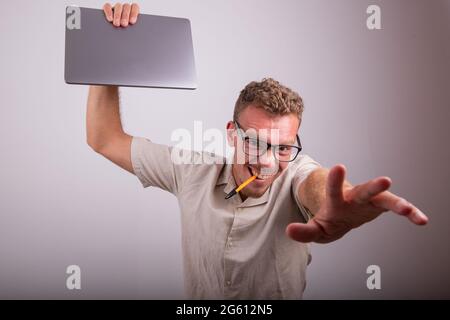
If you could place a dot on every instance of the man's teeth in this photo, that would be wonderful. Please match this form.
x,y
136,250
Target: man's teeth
x,y
263,177
260,175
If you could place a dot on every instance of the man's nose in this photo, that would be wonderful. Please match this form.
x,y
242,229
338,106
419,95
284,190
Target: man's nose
x,y
267,160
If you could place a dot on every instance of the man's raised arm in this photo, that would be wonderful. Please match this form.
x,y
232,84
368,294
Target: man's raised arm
x,y
104,129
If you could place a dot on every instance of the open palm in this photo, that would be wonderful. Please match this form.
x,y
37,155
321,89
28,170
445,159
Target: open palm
x,y
347,207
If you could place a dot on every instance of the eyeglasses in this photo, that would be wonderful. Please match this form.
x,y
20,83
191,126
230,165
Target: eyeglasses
x,y
256,147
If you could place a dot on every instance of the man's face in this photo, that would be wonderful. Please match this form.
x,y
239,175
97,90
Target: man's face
x,y
270,128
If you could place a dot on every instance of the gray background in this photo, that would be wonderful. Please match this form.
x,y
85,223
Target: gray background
x,y
377,101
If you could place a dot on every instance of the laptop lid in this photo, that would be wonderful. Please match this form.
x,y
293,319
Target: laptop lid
x,y
155,52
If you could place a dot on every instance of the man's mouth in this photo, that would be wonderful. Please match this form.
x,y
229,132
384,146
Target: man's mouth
x,y
259,175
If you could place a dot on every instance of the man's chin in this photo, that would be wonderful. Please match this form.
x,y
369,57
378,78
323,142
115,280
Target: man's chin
x,y
258,187
256,193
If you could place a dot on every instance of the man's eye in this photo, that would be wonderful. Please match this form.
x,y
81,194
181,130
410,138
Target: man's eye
x,y
284,148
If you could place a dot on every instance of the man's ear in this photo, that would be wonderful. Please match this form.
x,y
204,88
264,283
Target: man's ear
x,y
231,136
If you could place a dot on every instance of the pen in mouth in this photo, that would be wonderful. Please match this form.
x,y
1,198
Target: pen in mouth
x,y
242,186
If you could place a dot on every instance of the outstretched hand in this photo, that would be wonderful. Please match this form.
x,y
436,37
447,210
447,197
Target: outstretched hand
x,y
347,207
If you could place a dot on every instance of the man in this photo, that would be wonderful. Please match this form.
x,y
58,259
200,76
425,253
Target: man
x,y
253,245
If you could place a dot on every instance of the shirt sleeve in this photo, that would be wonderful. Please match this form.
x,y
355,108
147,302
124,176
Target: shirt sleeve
x,y
305,166
152,164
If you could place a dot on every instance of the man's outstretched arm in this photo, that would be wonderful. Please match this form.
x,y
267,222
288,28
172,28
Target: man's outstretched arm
x,y
338,207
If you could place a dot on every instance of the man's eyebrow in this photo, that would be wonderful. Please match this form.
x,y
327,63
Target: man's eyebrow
x,y
254,134
290,142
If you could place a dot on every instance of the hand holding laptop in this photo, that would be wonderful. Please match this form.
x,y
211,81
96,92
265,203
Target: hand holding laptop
x,y
121,15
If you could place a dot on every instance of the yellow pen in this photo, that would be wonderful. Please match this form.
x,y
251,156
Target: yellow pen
x,y
242,186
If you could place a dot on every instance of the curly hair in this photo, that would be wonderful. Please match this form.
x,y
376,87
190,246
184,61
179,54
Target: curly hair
x,y
270,95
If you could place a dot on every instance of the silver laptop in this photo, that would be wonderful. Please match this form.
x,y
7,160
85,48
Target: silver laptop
x,y
155,52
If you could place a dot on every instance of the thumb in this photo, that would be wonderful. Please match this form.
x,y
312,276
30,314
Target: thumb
x,y
304,232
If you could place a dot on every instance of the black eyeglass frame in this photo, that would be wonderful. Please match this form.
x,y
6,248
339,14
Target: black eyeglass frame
x,y
243,136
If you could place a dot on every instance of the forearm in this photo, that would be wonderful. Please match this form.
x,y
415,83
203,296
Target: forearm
x,y
103,122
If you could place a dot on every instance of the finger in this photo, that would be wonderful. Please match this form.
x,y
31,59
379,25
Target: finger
x,y
390,201
126,8
335,182
398,205
304,232
117,14
365,192
107,9
134,13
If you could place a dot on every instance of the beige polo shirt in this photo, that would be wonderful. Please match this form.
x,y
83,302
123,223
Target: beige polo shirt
x,y
232,249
